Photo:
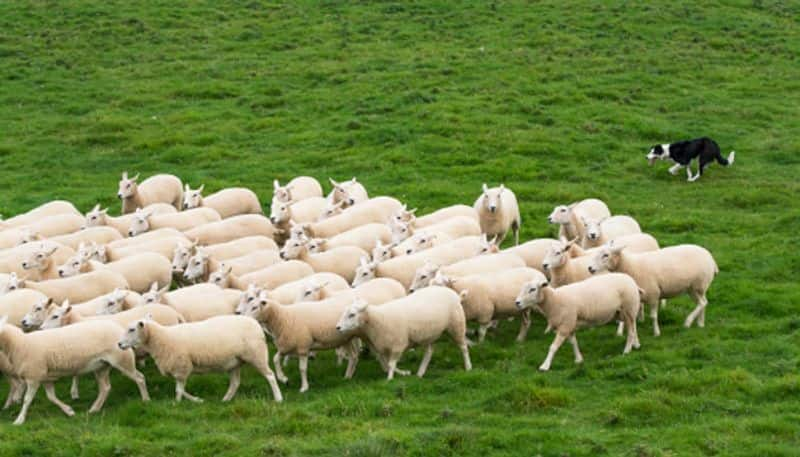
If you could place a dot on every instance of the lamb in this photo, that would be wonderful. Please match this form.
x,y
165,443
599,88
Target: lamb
x,y
233,228
636,242
143,220
563,268
492,296
363,237
48,209
79,288
482,264
228,202
99,217
377,209
308,210
589,303
455,227
12,237
12,259
44,357
155,189
405,215
498,211
164,246
140,270
569,217
222,343
382,252
8,283
202,265
146,237
665,273
297,189
299,328
223,251
342,260
420,241
601,231
64,315
403,268
118,299
318,286
533,252
196,303
17,304
269,277
50,226
39,263
416,320
350,192
98,235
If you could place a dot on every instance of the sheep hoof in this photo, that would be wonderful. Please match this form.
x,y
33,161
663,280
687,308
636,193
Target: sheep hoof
x,y
579,361
69,411
283,379
304,389
19,421
543,367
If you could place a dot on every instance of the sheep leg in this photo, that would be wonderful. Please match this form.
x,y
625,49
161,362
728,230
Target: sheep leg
x,y
127,366
180,392
286,360
103,388
31,387
385,365
233,384
50,390
557,342
620,327
636,343
261,364
482,328
74,393
654,317
465,355
303,372
576,349
663,303
15,392
276,360
701,302
340,356
524,326
426,359
352,362
392,364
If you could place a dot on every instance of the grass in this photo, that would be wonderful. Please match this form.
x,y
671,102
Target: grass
x,y
560,100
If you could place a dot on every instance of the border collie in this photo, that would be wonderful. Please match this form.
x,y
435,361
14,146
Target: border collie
x,y
704,150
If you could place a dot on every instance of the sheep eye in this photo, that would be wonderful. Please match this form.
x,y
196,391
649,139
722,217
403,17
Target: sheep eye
x,y
424,276
605,256
130,330
364,273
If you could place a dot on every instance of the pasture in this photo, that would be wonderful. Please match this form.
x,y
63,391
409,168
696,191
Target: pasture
x,y
425,101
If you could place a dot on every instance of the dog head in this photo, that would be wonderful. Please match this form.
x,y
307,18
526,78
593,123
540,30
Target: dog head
x,y
659,151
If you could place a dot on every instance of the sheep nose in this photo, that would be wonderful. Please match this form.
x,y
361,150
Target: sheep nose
x,y
591,270
492,208
283,255
408,251
120,345
518,303
185,206
238,313
550,220
274,220
25,265
130,232
338,328
546,266
351,201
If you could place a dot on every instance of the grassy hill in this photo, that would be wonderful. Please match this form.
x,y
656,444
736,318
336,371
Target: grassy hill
x,y
560,100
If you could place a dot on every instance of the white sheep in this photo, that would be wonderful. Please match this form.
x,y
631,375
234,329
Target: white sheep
x,y
492,296
563,268
202,265
342,260
118,299
79,288
374,210
17,304
665,273
381,252
282,214
347,193
318,286
418,242
11,260
43,357
364,237
482,264
636,242
593,302
98,235
568,217
196,303
164,246
48,209
64,315
302,327
140,270
416,320
601,231
269,277
233,228
50,226
297,189
222,343
155,189
406,215
144,221
99,217
223,251
228,202
152,235
499,212
533,252
8,283
454,227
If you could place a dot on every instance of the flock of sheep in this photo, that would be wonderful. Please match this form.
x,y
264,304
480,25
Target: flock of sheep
x,y
82,294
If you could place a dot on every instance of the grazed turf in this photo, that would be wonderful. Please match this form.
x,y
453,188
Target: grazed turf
x,y
425,101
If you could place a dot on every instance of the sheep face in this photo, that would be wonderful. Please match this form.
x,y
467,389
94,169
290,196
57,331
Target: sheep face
x,y
279,213
127,186
73,266
293,249
92,251
96,217
114,302
488,246
403,215
420,242
56,317
381,251
279,193
423,276
311,291
560,215
152,296
28,236
316,245
196,267
530,295
12,284
340,192
332,209
134,335
556,256
365,271
180,257
221,276
39,259
248,299
140,223
440,279
299,231
491,198
592,228
400,231
193,198
35,317
606,259
353,317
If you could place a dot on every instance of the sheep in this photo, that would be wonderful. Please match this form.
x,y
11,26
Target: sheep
x,y
601,231
143,220
146,237
382,252
12,237
155,189
50,226
79,288
533,252
363,237
297,189
563,268
198,302
482,264
636,242
332,209
420,241
405,215
222,343
202,265
64,315
282,214
342,260
299,328
139,270
454,227
98,235
499,212
17,304
228,202
48,209
44,357
666,273
269,277
403,268
589,303
39,263
118,299
377,209
12,259
569,217
233,228
416,320
491,296
16,390
99,217
223,251
8,283
164,246
318,286
349,192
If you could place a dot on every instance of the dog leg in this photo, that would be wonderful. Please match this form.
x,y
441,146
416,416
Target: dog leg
x,y
673,170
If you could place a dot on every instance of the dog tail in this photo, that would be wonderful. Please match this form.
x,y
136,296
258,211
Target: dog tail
x,y
726,162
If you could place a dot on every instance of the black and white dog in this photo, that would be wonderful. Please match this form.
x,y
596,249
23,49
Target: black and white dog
x,y
705,150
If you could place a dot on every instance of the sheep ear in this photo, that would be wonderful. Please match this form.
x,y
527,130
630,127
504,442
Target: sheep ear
x,y
275,184
363,262
186,188
96,208
502,188
202,186
324,284
360,305
3,321
65,303
124,175
617,249
333,183
52,251
105,211
154,286
544,284
227,268
135,177
378,243
485,188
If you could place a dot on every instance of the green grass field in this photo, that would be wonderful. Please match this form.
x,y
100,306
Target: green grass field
x,y
560,100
